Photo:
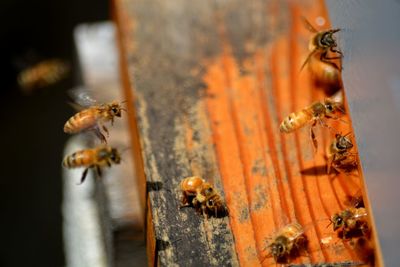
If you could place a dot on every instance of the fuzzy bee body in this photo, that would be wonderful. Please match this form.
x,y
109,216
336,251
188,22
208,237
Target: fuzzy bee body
x,y
201,195
339,155
93,118
92,158
352,222
288,242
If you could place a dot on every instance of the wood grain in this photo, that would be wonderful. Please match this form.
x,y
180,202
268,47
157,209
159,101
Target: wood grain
x,y
212,80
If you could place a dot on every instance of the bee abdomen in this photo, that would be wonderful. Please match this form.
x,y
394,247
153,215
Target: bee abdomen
x,y
80,121
74,160
294,121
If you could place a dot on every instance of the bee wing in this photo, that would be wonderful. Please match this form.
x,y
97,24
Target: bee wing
x,y
359,214
308,25
81,98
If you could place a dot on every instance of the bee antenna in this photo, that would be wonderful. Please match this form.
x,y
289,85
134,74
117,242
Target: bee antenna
x,y
330,222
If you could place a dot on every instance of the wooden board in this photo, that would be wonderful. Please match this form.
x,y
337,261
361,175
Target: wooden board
x,y
211,82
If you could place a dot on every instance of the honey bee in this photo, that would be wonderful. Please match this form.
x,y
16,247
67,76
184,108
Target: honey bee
x,y
312,114
95,158
202,196
351,222
288,243
325,76
93,117
43,74
322,42
339,155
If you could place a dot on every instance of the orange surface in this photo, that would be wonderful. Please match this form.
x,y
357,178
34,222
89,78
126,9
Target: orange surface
x,y
271,179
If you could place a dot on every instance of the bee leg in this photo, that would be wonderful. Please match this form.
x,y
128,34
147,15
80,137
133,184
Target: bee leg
x,y
84,174
322,122
105,130
98,171
108,163
312,136
334,50
326,59
100,135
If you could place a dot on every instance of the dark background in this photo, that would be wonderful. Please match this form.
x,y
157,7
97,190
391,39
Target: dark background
x,y
31,131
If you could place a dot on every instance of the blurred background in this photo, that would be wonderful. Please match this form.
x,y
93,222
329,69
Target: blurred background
x,y
32,137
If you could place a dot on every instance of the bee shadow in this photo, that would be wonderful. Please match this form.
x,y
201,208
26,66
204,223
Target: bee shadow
x,y
154,186
315,171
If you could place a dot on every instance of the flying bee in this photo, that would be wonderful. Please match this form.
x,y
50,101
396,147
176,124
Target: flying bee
x,y
351,222
312,114
325,76
43,74
288,243
339,155
322,42
201,195
94,117
95,158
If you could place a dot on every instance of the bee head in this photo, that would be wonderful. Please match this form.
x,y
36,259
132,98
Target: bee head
x,y
342,142
115,109
278,249
328,39
332,106
337,221
115,156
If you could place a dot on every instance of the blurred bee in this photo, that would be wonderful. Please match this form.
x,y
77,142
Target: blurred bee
x,y
95,158
43,74
93,117
311,115
339,155
201,195
351,222
325,76
288,243
322,42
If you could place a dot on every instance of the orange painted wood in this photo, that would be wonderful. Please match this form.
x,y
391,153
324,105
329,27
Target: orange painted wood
x,y
212,82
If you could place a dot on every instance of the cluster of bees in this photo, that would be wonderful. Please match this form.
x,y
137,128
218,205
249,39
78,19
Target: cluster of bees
x,y
350,223
203,197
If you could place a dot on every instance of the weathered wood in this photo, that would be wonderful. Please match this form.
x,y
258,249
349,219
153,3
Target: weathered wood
x,y
212,80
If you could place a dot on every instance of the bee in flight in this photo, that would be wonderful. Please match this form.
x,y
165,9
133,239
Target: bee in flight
x,y
288,243
94,116
201,195
312,114
351,222
95,158
339,155
43,74
322,42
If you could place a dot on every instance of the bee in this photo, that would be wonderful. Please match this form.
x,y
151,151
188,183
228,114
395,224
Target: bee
x,y
325,76
201,195
339,155
351,222
95,158
43,74
322,42
93,117
312,114
288,243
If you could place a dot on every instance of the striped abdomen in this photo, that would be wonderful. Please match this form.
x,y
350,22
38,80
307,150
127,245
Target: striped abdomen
x,y
81,121
296,120
81,158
